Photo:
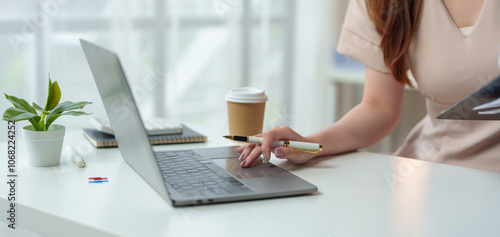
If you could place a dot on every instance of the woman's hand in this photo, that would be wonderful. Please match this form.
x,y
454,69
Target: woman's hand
x,y
251,152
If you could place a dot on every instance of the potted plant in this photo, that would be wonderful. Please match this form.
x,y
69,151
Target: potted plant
x,y
43,139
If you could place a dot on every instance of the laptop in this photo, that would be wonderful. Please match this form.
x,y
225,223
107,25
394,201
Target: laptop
x,y
483,104
181,177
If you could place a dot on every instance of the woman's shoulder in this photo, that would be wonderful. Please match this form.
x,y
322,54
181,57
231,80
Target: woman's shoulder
x,y
358,21
359,39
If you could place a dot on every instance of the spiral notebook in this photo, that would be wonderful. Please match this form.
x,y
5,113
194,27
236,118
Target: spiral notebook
x,y
101,140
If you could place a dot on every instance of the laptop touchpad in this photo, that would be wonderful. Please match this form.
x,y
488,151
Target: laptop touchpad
x,y
257,170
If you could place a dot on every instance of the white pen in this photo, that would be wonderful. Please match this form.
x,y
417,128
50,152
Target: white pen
x,y
76,157
298,146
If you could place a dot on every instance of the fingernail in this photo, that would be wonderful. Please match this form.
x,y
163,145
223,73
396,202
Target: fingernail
x,y
278,152
265,158
241,156
242,163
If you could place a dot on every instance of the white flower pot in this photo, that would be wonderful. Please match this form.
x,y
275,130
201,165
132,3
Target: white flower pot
x,y
43,147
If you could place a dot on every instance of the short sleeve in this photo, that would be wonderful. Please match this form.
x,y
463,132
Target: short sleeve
x,y
359,39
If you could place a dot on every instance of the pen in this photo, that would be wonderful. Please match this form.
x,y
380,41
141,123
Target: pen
x,y
76,157
298,146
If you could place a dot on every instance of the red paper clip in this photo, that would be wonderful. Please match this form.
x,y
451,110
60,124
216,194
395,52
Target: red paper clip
x,y
98,180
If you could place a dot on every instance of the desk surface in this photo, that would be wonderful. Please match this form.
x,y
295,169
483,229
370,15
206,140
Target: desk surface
x,y
360,194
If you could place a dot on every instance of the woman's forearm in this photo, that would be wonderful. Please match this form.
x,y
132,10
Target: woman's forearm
x,y
367,123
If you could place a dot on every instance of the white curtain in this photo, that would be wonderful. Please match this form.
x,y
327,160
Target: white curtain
x,y
315,35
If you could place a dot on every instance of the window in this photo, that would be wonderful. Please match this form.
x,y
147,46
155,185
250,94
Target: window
x,y
180,56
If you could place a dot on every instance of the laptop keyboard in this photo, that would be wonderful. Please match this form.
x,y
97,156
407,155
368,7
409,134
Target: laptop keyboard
x,y
193,175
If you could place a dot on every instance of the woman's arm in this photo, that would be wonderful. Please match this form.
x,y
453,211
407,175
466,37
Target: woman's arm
x,y
364,125
368,122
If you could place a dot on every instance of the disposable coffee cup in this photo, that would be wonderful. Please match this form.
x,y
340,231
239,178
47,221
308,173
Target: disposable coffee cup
x,y
245,110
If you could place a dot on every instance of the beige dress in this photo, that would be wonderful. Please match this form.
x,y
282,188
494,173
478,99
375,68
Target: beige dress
x,y
447,67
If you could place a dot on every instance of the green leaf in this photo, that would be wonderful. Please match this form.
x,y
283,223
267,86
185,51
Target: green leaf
x,y
75,113
23,105
20,103
63,104
37,107
34,121
66,106
15,114
53,96
50,120
56,96
49,95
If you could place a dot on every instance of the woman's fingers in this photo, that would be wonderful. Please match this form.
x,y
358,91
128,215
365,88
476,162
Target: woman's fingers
x,y
251,156
252,152
293,156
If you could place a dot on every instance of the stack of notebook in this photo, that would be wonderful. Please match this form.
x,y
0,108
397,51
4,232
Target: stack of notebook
x,y
101,139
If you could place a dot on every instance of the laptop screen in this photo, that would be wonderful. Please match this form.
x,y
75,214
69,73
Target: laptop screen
x,y
123,114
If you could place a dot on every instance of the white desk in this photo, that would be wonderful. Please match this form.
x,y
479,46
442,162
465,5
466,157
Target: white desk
x,y
360,194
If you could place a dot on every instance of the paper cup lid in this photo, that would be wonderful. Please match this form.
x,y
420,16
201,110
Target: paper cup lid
x,y
246,95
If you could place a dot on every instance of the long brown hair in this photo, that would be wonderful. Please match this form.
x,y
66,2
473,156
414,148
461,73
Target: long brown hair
x,y
395,21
